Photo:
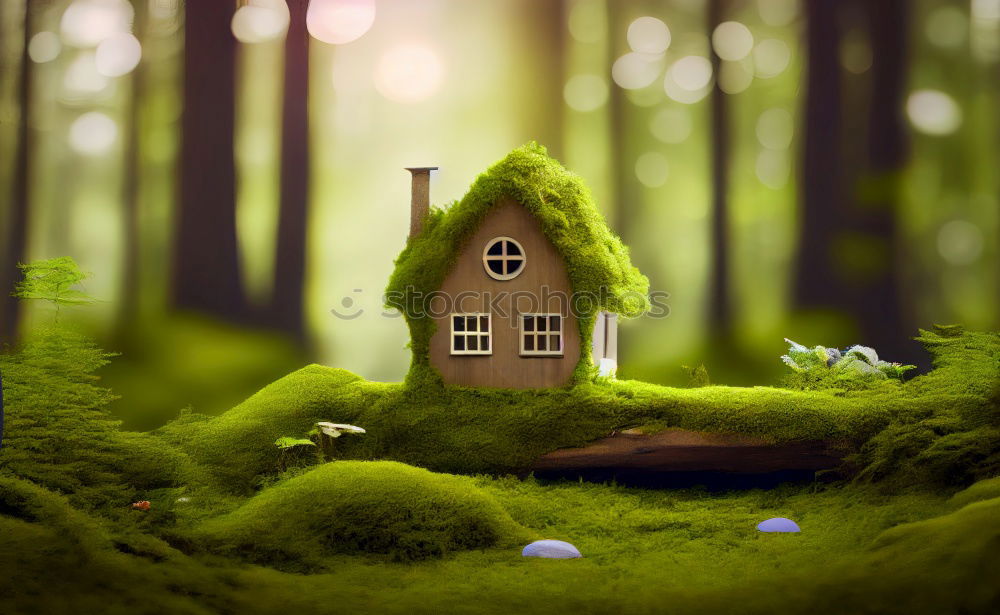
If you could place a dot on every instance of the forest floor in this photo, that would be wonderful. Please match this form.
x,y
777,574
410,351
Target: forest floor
x,y
236,525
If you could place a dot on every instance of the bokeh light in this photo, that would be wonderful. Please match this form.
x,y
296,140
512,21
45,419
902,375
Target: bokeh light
x,y
692,73
735,77
771,57
775,128
732,41
44,47
773,168
260,21
933,112
93,134
118,55
855,52
671,125
947,27
651,169
587,21
409,73
778,12
86,23
635,70
684,75
586,92
960,242
648,35
82,76
340,21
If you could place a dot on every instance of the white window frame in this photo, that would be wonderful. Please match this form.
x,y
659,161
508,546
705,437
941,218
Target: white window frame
x,y
521,333
502,257
467,334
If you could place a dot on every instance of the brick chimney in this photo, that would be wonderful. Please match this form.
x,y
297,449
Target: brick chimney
x,y
420,197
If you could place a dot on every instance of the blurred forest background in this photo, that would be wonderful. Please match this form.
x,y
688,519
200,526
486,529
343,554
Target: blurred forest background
x,y
232,171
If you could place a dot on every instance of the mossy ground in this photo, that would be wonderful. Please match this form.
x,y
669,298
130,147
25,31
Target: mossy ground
x,y
902,544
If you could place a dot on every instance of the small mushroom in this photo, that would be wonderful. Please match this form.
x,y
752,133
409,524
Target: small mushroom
x,y
335,430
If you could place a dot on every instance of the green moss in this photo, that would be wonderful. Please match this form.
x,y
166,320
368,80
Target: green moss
x,y
916,433
597,262
982,490
376,507
60,434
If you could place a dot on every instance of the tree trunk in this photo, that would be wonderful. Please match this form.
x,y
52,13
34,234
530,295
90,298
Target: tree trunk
x,y
816,283
720,309
551,73
290,257
618,214
206,265
876,300
131,187
15,241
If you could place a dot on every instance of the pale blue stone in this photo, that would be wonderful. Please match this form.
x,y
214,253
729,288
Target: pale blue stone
x,y
556,549
778,524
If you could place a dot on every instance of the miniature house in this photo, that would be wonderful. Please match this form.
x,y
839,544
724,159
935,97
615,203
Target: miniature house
x,y
519,284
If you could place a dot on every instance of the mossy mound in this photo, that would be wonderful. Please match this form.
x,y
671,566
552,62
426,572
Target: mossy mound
x,y
345,507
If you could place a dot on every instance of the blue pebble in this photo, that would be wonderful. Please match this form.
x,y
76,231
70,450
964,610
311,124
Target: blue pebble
x,y
555,549
778,524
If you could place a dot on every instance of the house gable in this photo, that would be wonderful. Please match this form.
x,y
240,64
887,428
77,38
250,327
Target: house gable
x,y
542,286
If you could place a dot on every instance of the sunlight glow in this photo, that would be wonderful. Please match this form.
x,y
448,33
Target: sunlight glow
x,y
648,35
260,21
933,112
586,92
409,73
340,21
778,12
44,47
732,41
635,70
118,55
92,134
86,23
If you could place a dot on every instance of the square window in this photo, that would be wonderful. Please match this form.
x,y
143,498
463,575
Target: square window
x,y
470,334
541,335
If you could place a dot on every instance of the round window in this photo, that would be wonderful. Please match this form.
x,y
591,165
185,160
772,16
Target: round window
x,y
503,258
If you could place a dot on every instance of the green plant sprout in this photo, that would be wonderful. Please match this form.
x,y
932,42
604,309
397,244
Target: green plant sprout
x,y
853,368
52,280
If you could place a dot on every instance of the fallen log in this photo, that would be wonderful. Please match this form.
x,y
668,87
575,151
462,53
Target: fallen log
x,y
677,452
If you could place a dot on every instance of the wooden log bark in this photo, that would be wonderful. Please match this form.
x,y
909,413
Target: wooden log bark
x,y
677,450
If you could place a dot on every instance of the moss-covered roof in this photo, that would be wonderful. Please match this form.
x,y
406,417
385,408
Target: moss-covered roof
x,y
597,262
